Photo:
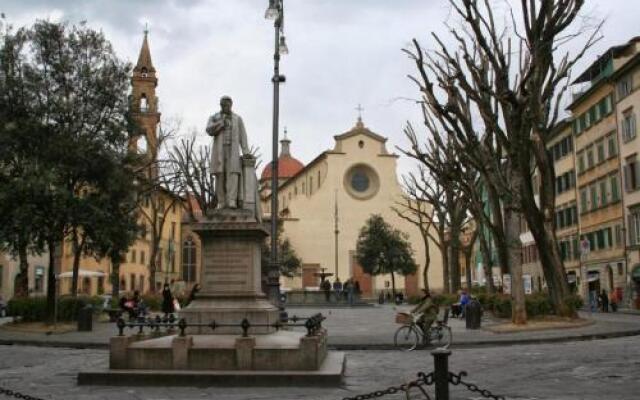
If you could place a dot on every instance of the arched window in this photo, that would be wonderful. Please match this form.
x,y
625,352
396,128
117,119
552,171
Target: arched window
x,y
144,104
189,260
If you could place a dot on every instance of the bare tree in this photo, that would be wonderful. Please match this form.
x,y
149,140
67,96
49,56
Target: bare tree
x,y
418,212
191,166
516,99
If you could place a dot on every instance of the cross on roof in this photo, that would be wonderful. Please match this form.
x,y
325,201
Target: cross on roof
x,y
360,109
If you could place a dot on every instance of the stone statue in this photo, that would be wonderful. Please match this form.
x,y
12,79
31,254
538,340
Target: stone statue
x,y
229,137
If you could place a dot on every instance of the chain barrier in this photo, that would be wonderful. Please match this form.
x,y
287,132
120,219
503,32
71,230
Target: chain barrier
x,y
457,380
17,395
421,383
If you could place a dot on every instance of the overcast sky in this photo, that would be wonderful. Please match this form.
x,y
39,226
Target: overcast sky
x,y
342,53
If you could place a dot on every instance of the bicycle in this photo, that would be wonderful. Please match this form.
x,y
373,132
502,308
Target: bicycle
x,y
411,334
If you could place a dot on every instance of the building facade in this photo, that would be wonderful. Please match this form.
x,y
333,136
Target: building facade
x,y
325,204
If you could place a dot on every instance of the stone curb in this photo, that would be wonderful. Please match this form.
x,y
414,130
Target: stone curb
x,y
355,347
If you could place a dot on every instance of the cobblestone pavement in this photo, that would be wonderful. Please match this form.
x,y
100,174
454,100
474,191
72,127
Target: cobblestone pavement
x,y
371,327
605,369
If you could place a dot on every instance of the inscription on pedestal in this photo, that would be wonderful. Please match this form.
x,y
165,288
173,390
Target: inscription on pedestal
x,y
228,266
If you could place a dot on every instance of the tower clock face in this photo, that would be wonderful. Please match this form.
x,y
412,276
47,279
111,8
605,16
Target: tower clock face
x,y
361,181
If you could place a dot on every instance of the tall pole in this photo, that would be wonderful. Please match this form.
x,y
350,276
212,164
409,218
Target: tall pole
x,y
273,278
336,232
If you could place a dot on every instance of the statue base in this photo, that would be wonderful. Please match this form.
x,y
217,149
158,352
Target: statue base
x,y
231,275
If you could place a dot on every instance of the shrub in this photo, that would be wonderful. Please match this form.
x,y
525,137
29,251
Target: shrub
x,y
35,308
501,306
574,302
538,304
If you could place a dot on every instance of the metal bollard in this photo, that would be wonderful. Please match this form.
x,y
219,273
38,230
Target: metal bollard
x,y
441,372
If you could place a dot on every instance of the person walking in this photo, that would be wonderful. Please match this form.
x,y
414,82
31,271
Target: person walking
x,y
337,289
604,301
350,289
167,300
326,287
613,301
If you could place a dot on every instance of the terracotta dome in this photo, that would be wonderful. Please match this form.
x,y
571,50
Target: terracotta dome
x,y
287,165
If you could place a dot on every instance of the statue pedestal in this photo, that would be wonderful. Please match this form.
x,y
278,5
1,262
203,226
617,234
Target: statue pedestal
x,y
231,277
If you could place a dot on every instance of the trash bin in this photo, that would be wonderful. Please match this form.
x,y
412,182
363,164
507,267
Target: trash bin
x,y
473,312
85,318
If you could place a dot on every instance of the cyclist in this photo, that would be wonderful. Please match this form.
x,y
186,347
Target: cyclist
x,y
428,313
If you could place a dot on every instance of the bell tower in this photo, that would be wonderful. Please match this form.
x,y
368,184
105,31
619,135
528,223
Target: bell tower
x,y
143,101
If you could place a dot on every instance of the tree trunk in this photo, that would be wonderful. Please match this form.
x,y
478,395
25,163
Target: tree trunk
x,y
393,284
427,263
542,230
467,265
153,257
487,265
77,251
444,250
512,231
454,262
115,279
21,282
51,281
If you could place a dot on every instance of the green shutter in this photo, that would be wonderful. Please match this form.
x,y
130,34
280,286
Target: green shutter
x,y
603,193
614,189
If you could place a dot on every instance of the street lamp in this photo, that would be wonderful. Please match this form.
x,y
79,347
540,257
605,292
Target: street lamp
x,y
276,13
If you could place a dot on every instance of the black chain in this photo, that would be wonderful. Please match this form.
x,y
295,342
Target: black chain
x,y
420,383
17,395
457,380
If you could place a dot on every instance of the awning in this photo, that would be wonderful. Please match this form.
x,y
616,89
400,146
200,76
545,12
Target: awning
x,y
635,273
593,276
571,277
83,273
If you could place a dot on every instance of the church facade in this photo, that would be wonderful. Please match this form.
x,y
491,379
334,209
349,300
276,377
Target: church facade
x,y
324,204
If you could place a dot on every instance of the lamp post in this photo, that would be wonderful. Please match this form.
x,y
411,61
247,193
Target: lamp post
x,y
276,13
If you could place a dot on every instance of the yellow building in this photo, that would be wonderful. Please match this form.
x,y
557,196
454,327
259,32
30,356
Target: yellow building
x,y
597,152
626,79
325,204
161,209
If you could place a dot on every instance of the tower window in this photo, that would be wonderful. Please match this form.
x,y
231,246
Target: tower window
x,y
144,72
144,104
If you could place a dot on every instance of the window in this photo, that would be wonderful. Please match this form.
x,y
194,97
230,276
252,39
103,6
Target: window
x,y
628,125
590,162
586,120
295,190
133,256
593,192
618,235
608,104
318,179
173,230
101,285
583,200
142,257
577,127
631,174
603,193
625,86
600,147
144,104
634,227
132,282
615,193
141,283
613,148
39,279
593,114
310,186
189,260
303,189
581,162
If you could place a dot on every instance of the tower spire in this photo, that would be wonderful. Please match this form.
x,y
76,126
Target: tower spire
x,y
144,59
284,143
